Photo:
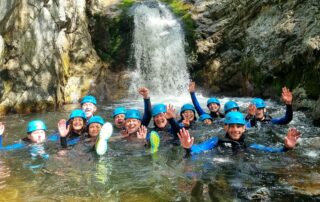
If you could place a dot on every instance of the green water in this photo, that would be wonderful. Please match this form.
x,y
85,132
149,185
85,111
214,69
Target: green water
x,y
130,173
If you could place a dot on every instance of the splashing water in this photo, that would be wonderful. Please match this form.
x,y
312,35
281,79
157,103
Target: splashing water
x,y
159,56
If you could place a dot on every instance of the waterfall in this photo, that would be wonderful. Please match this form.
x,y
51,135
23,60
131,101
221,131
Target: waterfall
x,y
158,51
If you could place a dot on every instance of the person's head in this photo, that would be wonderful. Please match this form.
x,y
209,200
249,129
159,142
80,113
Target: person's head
x,y
77,120
261,107
213,104
230,106
187,112
94,125
159,115
118,116
88,105
132,121
235,123
36,131
206,119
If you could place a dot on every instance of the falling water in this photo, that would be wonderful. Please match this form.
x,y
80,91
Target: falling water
x,y
160,60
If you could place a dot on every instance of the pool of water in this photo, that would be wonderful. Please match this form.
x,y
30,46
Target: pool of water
x,y
129,173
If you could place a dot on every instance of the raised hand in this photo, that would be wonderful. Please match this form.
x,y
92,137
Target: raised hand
x,y
292,137
185,139
1,128
124,133
142,132
252,109
63,128
286,96
186,122
192,87
144,92
171,112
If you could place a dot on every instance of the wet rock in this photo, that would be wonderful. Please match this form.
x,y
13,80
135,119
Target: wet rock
x,y
272,44
304,180
316,113
301,100
262,194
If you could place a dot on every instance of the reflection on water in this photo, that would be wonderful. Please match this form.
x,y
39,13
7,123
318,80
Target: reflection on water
x,y
4,173
130,173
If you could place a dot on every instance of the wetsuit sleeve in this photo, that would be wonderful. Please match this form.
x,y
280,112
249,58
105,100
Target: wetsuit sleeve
x,y
286,119
63,142
73,141
196,104
248,124
174,126
268,149
147,113
206,145
15,146
53,137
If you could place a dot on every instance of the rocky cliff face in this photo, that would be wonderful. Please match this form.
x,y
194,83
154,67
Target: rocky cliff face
x,y
256,47
46,55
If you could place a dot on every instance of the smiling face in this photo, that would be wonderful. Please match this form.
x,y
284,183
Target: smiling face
x,y
119,120
94,129
77,124
89,108
37,136
160,120
235,131
132,125
188,115
213,107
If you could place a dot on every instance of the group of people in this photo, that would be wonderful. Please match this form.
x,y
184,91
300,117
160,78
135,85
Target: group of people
x,y
128,124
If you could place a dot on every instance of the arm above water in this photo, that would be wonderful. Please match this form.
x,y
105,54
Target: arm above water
x,y
286,119
16,146
192,87
287,98
290,142
187,143
147,106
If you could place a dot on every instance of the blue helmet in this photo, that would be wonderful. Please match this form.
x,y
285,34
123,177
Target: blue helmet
x,y
133,114
204,117
230,105
259,103
158,109
95,119
77,113
234,118
36,125
213,100
118,110
89,98
186,107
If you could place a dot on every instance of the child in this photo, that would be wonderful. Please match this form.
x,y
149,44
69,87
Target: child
x,y
257,111
206,119
36,135
70,131
88,105
213,104
188,116
234,138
